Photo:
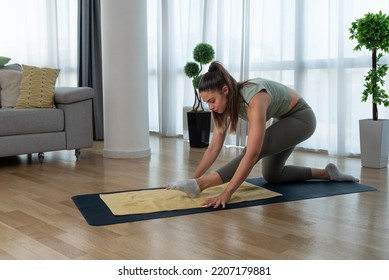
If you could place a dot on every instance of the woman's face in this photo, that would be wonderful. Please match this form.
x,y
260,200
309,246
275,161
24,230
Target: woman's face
x,y
216,100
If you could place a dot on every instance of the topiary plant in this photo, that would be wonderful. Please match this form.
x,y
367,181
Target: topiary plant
x,y
203,54
372,32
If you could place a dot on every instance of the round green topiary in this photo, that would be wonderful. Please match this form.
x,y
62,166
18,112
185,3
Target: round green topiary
x,y
191,69
203,53
196,81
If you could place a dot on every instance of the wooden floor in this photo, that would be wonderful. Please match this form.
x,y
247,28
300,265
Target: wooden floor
x,y
38,219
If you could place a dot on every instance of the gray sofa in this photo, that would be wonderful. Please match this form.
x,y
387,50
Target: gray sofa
x,y
67,127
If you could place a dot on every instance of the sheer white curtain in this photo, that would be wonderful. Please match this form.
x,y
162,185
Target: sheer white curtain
x,y
333,74
41,33
304,44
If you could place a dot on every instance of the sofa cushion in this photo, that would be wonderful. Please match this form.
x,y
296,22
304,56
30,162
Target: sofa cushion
x,y
30,121
37,87
9,87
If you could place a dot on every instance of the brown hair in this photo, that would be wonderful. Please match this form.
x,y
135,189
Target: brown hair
x,y
214,80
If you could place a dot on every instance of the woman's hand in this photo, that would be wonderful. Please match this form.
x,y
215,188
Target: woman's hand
x,y
216,201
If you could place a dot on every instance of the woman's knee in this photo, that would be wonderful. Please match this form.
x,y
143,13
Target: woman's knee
x,y
272,178
271,175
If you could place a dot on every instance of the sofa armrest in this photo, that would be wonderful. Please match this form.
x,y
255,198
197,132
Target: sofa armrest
x,y
68,95
76,103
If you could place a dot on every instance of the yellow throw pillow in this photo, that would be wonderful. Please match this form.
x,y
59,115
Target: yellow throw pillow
x,y
37,87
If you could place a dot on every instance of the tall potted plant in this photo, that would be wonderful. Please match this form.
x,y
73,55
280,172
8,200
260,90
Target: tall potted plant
x,y
372,33
199,120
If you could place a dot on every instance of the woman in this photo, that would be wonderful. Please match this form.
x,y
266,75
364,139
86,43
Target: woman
x,y
255,101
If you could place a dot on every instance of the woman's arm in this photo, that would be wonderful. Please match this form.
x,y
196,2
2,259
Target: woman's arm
x,y
211,153
256,114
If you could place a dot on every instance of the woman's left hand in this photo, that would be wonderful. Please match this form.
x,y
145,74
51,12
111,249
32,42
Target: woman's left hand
x,y
216,201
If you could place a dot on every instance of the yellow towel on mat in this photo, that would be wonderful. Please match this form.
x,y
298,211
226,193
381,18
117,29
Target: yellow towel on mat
x,y
158,200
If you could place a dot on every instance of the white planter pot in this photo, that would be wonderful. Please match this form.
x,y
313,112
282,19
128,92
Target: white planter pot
x,y
374,140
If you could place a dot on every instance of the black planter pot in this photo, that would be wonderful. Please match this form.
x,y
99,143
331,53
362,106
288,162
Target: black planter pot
x,y
199,124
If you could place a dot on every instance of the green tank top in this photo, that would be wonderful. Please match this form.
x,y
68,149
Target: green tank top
x,y
280,98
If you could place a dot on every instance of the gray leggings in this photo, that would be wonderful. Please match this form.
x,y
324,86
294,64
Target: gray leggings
x,y
280,140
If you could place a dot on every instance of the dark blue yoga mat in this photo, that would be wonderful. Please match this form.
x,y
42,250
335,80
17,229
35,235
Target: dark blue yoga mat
x,y
96,213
